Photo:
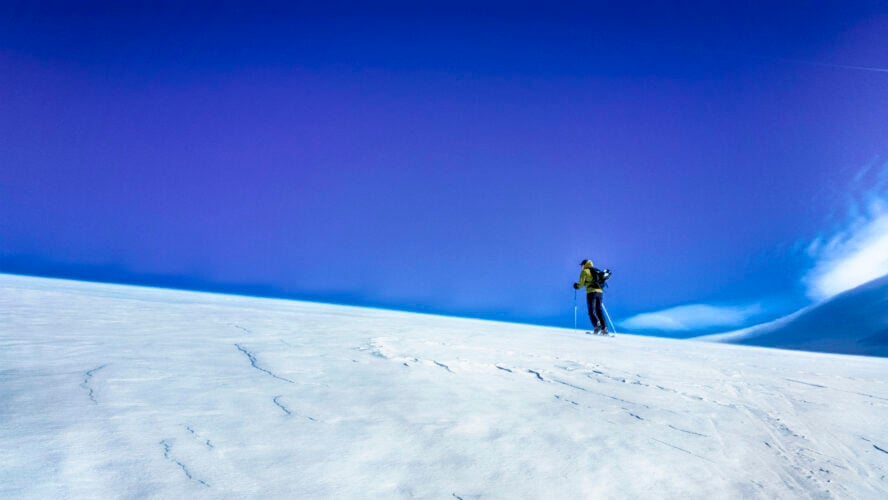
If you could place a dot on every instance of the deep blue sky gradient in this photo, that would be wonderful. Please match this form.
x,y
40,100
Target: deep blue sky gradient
x,y
457,159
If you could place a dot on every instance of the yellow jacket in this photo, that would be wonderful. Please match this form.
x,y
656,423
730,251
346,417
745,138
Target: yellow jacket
x,y
586,279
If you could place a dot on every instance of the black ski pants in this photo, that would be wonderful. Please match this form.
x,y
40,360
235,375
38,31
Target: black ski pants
x,y
594,306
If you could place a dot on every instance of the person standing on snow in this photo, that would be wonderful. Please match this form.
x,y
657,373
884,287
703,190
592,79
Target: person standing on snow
x,y
593,279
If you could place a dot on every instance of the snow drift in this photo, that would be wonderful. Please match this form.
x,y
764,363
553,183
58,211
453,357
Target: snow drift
x,y
853,322
125,392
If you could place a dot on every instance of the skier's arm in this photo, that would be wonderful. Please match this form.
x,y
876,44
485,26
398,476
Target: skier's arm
x,y
583,280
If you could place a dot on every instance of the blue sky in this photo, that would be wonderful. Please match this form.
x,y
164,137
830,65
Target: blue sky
x,y
728,163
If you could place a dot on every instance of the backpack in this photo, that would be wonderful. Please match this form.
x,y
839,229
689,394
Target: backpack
x,y
599,277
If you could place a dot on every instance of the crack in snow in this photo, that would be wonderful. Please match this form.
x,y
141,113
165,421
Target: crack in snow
x,y
807,383
619,399
207,443
682,449
841,390
540,377
691,432
864,394
442,365
591,391
632,414
167,447
660,387
566,400
86,380
569,385
288,411
194,433
281,406
255,365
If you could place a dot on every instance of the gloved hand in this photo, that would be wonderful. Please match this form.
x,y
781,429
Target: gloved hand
x,y
576,286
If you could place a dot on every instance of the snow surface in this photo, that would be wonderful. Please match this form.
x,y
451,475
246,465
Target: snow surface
x,y
110,391
853,322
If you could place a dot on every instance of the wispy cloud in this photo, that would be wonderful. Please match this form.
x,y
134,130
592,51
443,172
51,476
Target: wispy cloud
x,y
857,253
837,66
693,317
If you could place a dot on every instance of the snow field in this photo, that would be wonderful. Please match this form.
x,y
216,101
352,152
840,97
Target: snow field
x,y
120,392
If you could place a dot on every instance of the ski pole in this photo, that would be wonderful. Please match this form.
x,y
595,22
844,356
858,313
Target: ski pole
x,y
575,309
609,320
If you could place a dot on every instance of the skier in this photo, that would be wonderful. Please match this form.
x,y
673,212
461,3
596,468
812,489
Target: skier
x,y
593,279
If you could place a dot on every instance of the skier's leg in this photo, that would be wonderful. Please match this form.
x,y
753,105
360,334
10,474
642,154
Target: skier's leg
x,y
590,307
599,314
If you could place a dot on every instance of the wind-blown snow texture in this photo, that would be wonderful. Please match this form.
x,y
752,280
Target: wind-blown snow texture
x,y
111,391
853,322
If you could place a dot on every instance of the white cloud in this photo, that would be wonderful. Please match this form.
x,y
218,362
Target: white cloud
x,y
858,253
849,259
692,317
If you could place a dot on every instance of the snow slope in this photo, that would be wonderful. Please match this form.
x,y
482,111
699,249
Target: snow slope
x,y
853,322
118,392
